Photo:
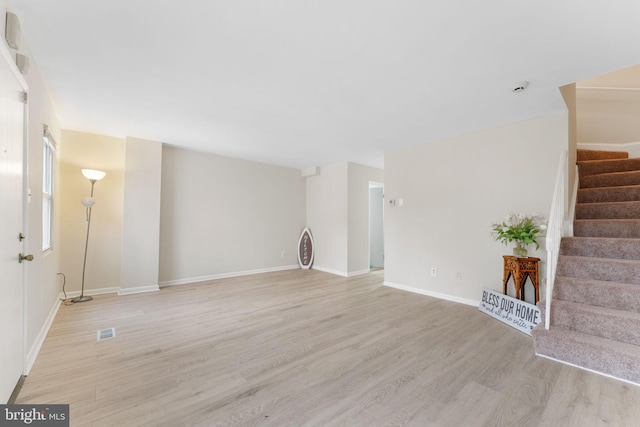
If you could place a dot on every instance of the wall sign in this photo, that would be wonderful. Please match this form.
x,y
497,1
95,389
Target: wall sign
x,y
305,249
514,312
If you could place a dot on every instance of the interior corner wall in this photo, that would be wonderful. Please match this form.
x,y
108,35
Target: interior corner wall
x,y
608,117
89,151
327,217
221,216
358,216
453,191
141,215
338,216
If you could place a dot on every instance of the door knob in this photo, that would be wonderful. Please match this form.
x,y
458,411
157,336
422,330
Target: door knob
x,y
25,257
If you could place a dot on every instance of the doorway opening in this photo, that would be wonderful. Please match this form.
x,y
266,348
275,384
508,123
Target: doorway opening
x,y
376,226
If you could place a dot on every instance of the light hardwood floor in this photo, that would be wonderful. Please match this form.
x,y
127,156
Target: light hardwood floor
x,y
308,348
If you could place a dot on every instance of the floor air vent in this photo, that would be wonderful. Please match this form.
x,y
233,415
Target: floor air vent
x,y
106,334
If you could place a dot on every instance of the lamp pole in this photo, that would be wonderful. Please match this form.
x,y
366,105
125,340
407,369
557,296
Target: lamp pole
x,y
92,176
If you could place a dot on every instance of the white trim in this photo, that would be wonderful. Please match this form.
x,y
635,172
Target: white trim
x,y
138,290
358,273
11,60
32,355
99,291
590,145
612,89
447,297
190,280
341,273
568,222
330,271
587,369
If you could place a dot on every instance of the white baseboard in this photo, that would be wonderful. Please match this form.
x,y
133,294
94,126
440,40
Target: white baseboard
x,y
37,345
341,273
92,292
190,280
138,290
453,298
587,369
329,270
358,273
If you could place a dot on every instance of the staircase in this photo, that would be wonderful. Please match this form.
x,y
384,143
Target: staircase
x,y
595,313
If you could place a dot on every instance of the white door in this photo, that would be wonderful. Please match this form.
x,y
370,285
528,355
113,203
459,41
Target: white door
x,y
11,225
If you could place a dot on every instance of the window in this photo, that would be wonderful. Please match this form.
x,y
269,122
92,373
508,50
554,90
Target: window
x,y
48,162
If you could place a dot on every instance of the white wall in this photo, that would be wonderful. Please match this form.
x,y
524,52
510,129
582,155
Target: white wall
x,y
141,216
222,216
453,191
608,116
376,230
89,151
41,279
608,107
338,216
327,202
358,224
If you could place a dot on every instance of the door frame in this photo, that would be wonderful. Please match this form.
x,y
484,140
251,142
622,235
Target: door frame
x,y
372,185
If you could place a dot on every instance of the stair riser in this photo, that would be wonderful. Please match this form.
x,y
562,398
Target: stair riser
x,y
610,361
609,270
607,166
609,194
625,229
584,155
611,180
617,296
619,210
620,326
601,247
595,315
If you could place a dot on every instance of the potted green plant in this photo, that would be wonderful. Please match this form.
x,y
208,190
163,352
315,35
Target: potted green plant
x,y
521,229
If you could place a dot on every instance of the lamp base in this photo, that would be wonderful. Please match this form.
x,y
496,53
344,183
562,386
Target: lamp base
x,y
84,298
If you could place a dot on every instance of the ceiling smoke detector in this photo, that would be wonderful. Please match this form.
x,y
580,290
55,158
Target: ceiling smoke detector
x,y
519,86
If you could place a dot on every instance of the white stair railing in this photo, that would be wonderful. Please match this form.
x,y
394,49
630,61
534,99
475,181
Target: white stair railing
x,y
554,231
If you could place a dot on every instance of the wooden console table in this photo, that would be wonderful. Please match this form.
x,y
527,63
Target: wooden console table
x,y
520,269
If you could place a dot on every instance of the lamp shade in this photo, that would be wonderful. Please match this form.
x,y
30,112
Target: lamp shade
x,y
93,175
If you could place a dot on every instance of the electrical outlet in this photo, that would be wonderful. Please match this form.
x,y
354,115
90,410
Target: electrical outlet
x,y
283,254
434,271
459,275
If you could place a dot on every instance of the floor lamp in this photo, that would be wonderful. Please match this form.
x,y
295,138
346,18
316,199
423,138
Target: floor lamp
x,y
93,176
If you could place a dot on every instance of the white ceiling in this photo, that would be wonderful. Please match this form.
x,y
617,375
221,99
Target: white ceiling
x,y
313,82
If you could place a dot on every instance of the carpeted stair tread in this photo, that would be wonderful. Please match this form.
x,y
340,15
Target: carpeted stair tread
x,y
608,210
610,357
613,179
583,155
601,247
623,193
610,270
596,167
595,312
620,228
619,296
602,322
